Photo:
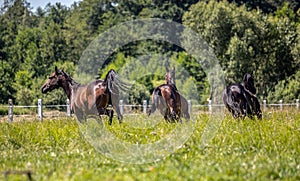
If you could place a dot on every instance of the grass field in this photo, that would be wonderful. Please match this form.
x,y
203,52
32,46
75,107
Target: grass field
x,y
241,150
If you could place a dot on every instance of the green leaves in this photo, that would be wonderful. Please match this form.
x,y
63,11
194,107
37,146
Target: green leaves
x,y
247,41
287,90
243,38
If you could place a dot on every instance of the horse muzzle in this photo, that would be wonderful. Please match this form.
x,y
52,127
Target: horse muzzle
x,y
45,89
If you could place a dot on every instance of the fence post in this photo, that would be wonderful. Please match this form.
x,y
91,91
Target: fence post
x,y
145,106
265,104
297,104
121,107
68,107
189,106
280,104
209,106
40,109
10,110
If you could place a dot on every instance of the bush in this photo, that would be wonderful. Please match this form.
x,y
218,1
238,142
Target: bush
x,y
287,90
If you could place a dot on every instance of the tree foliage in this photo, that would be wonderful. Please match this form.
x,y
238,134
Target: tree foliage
x,y
247,41
258,37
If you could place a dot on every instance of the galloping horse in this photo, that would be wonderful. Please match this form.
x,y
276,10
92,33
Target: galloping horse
x,y
240,99
166,97
89,99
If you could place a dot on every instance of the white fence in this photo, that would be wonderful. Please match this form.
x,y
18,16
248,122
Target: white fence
x,y
144,106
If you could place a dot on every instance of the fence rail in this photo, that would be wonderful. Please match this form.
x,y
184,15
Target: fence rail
x,y
144,106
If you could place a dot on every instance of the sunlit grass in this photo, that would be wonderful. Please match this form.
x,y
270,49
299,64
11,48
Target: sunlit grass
x,y
241,150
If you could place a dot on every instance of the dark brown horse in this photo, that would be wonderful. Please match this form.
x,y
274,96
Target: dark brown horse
x,y
90,99
167,99
240,99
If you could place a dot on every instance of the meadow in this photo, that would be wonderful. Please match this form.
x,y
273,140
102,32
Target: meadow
x,y
55,149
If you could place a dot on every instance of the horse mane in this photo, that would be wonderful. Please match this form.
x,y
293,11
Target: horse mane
x,y
69,78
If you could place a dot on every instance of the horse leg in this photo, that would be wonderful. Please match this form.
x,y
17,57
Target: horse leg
x,y
166,118
187,116
242,113
235,115
166,113
107,112
232,112
241,106
179,119
172,109
257,108
120,116
173,115
80,115
110,114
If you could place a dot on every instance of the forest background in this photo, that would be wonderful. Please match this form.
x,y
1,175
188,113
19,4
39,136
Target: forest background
x,y
258,37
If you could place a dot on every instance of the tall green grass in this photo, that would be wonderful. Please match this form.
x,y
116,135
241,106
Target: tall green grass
x,y
241,150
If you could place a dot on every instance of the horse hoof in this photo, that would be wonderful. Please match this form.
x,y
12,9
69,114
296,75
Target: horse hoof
x,y
120,118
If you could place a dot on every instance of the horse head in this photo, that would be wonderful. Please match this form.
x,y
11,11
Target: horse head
x,y
55,80
248,83
170,76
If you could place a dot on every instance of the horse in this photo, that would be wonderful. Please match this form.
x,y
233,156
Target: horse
x,y
166,97
250,91
240,99
90,99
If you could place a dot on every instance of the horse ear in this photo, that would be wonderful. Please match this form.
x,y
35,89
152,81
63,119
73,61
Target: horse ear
x,y
56,70
245,78
249,78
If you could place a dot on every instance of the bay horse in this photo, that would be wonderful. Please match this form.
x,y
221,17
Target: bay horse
x,y
90,99
167,99
240,99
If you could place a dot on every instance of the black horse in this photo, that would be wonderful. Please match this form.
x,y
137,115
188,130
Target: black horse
x,y
240,99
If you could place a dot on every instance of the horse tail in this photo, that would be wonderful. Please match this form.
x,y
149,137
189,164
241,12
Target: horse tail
x,y
185,107
114,83
155,100
109,79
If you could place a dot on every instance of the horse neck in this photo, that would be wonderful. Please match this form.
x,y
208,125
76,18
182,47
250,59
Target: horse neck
x,y
67,88
249,88
170,80
68,85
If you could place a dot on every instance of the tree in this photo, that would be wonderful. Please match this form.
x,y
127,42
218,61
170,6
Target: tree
x,y
268,6
287,90
16,13
246,41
